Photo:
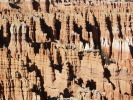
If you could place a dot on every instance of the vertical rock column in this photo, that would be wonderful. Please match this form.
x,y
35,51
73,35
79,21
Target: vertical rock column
x,y
64,30
13,40
84,31
32,29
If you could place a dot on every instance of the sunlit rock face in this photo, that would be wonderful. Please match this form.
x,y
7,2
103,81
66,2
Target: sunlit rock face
x,y
66,50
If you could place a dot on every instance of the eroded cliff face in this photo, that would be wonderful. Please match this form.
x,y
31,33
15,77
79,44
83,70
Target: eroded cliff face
x,y
79,50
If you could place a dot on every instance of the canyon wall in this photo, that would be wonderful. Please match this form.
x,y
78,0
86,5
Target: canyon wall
x,y
66,50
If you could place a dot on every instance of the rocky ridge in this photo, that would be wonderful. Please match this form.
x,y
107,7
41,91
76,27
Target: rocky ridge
x,y
74,50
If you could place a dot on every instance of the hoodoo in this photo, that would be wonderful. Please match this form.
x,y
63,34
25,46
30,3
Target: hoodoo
x,y
66,49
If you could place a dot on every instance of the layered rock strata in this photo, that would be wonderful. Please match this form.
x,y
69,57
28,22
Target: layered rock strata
x,y
66,50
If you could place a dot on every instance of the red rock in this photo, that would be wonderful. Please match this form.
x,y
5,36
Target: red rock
x,y
71,49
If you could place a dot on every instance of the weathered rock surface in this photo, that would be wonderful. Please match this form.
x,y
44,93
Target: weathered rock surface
x,y
66,49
